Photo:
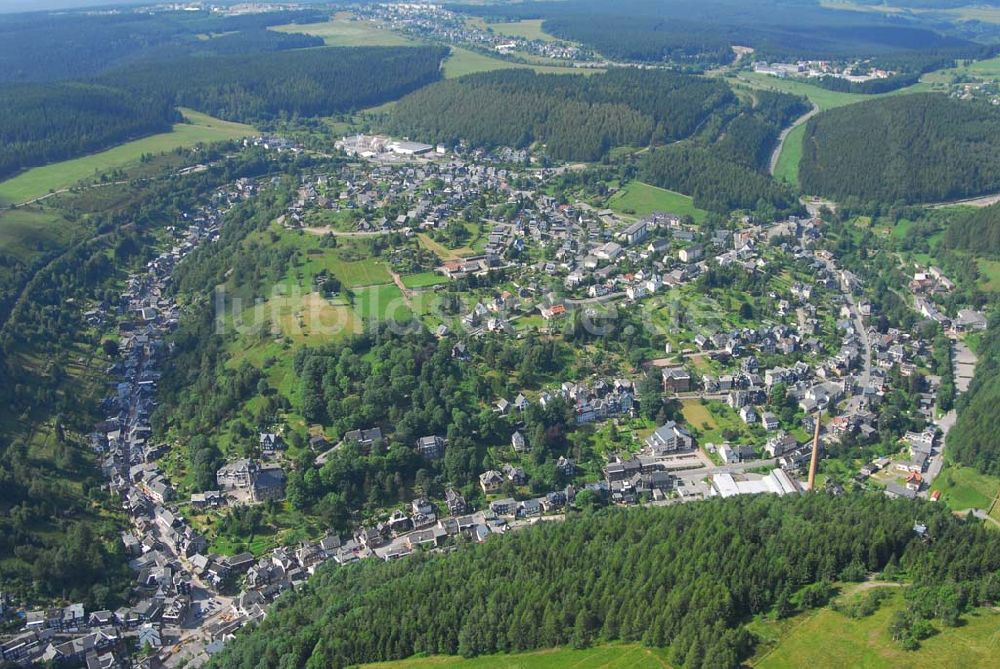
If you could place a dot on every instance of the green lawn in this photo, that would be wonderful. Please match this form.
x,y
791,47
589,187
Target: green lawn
x,y
423,280
965,488
640,199
367,272
343,31
829,639
787,167
198,128
381,303
616,656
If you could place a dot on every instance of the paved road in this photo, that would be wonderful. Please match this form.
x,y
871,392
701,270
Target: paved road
x,y
784,135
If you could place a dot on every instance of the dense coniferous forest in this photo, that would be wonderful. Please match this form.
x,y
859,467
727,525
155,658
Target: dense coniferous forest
x,y
44,123
686,576
582,118
48,122
910,148
977,231
73,45
306,82
975,439
700,32
578,118
715,183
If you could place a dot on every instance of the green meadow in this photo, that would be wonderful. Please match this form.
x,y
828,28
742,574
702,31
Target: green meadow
x,y
197,128
640,199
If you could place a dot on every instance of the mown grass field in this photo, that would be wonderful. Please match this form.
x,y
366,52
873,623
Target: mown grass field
x,y
382,303
965,488
423,280
787,167
827,639
198,128
342,30
616,656
640,199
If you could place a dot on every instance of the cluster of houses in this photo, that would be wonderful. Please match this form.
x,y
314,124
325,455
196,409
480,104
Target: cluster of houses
x,y
434,22
160,540
855,71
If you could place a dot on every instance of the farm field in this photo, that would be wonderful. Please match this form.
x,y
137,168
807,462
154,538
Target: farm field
x,y
826,638
199,128
344,31
617,656
640,199
787,168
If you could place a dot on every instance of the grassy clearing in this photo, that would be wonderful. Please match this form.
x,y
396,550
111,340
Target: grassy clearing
x,y
301,317
27,232
441,251
787,167
382,303
368,272
821,97
198,128
463,61
640,199
423,280
989,271
697,415
965,488
529,29
342,30
829,639
615,656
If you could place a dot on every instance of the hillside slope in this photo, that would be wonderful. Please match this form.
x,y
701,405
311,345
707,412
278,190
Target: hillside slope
x,y
687,576
912,148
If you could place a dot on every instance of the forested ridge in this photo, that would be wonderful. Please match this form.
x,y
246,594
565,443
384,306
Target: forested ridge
x,y
303,82
699,33
42,46
724,167
975,438
715,183
578,118
687,576
977,231
44,123
910,148
48,122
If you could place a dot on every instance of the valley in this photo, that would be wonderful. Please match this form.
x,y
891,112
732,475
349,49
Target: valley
x,y
499,335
